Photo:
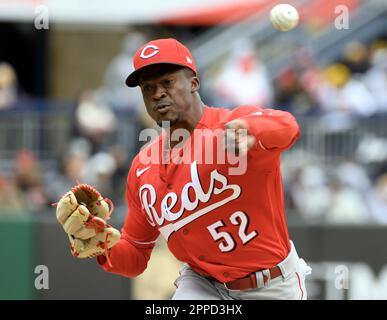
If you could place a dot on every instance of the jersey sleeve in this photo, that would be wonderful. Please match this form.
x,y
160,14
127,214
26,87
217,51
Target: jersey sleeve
x,y
130,256
273,129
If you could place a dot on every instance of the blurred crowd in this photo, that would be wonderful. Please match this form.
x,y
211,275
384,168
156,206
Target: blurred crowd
x,y
355,85
352,190
343,97
342,194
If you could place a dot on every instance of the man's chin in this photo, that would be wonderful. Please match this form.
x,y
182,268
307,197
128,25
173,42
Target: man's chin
x,y
166,123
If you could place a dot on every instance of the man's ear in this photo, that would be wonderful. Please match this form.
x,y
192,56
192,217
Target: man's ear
x,y
195,84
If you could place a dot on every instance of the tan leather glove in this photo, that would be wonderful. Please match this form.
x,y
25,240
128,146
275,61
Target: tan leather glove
x,y
83,213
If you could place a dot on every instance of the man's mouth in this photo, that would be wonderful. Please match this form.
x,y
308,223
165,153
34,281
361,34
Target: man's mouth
x,y
162,107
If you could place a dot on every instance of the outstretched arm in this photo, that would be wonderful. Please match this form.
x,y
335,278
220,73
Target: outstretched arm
x,y
267,129
130,256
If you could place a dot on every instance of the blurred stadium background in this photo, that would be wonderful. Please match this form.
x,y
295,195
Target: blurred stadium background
x,y
65,115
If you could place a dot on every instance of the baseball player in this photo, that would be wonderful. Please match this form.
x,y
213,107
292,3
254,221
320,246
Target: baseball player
x,y
229,228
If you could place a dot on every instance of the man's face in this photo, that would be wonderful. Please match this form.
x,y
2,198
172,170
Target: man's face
x,y
167,91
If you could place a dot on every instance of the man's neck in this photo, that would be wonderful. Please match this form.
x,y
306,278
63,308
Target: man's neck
x,y
189,125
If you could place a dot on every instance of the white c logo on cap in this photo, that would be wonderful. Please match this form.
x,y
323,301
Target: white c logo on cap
x,y
153,53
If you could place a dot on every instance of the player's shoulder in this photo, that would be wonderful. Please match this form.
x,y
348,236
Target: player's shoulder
x,y
221,114
237,112
245,110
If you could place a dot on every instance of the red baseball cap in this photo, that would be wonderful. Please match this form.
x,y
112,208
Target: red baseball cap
x,y
160,51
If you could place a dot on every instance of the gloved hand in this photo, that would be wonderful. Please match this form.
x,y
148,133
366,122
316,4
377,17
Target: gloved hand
x,y
83,213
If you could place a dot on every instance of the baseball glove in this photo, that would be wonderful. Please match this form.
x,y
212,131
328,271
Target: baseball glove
x,y
83,213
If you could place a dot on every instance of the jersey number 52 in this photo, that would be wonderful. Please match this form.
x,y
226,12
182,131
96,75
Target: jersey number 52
x,y
228,243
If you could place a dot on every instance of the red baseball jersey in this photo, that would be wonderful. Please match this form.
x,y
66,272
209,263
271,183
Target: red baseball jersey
x,y
223,225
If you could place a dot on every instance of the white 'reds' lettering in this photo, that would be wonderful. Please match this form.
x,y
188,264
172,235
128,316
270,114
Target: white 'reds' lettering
x,y
189,205
148,199
150,210
167,210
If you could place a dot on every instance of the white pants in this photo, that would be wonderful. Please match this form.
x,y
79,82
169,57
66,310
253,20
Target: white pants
x,y
290,286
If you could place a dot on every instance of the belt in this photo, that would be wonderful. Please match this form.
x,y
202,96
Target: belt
x,y
250,281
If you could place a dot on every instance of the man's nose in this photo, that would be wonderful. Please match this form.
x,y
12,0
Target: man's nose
x,y
159,93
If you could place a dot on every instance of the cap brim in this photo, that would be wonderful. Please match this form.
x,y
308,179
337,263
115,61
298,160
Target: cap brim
x,y
133,79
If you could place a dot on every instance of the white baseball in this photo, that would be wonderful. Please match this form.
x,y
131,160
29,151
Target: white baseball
x,y
284,17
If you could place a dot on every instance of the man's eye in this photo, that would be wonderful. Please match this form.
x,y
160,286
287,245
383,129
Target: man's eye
x,y
167,82
146,88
